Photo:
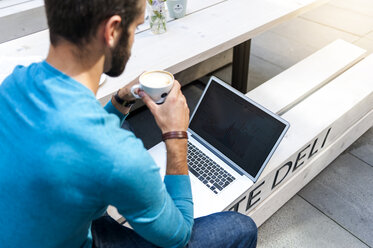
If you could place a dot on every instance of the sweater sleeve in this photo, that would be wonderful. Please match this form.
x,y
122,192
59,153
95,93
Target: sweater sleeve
x,y
109,107
160,212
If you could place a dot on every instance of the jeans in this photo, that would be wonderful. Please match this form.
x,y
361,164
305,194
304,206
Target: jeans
x,y
220,230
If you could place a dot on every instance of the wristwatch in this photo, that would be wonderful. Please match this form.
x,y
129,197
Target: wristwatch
x,y
123,102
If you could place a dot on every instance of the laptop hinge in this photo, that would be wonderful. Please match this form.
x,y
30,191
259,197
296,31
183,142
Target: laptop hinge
x,y
218,155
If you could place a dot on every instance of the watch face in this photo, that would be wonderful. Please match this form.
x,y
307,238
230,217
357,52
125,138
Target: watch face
x,y
123,102
118,99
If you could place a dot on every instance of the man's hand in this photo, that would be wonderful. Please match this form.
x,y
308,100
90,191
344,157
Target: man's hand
x,y
172,115
125,94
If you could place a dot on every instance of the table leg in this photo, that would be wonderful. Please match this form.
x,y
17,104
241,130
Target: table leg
x,y
240,67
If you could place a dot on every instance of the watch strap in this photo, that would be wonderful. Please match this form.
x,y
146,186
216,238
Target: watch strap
x,y
175,135
123,102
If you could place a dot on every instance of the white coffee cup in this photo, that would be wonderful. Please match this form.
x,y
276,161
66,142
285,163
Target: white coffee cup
x,y
157,84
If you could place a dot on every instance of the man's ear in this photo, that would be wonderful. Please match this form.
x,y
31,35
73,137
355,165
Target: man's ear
x,y
112,30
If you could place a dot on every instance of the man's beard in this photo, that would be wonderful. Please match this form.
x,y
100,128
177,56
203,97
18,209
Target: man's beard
x,y
120,56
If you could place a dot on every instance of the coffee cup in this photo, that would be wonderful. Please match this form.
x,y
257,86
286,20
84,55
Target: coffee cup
x,y
157,84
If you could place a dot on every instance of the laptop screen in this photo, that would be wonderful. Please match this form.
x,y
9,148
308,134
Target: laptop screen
x,y
238,128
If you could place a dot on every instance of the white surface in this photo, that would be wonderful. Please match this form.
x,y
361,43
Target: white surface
x,y
36,45
20,18
291,86
9,7
188,41
8,3
102,79
338,105
334,102
7,64
286,191
193,6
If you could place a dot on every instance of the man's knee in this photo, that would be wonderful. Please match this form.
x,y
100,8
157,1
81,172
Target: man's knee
x,y
224,229
246,225
244,229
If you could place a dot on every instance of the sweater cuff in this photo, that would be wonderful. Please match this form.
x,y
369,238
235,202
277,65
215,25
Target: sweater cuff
x,y
113,110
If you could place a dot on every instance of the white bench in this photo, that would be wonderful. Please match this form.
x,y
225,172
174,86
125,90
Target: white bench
x,y
325,116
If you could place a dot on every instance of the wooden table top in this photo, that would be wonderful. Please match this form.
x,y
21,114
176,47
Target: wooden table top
x,y
211,27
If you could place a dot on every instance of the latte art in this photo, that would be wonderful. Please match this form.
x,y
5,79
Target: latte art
x,y
156,79
157,84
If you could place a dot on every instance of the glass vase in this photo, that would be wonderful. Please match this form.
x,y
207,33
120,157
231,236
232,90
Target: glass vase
x,y
157,16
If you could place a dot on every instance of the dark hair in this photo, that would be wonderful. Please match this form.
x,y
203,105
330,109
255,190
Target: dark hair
x,y
77,20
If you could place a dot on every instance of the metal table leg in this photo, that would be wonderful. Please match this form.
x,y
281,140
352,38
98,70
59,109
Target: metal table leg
x,y
240,70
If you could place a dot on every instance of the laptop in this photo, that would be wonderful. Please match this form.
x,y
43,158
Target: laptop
x,y
231,139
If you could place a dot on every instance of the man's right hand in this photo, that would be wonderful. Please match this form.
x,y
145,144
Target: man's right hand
x,y
173,114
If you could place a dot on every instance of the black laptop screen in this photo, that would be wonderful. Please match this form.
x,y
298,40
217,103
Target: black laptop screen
x,y
237,128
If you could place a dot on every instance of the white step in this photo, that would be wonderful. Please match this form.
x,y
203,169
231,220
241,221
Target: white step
x,y
317,125
288,189
291,86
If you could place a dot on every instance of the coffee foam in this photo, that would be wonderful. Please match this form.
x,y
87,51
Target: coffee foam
x,y
156,79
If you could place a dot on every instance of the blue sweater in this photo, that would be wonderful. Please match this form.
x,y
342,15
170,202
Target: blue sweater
x,y
64,159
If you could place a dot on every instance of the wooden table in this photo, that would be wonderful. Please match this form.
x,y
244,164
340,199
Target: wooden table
x,y
190,40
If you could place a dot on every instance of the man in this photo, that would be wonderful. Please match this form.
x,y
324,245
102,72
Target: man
x,y
64,158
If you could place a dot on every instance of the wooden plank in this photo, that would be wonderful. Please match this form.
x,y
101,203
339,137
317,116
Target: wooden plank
x,y
175,51
192,7
15,6
36,44
316,122
9,3
196,5
21,18
296,83
286,191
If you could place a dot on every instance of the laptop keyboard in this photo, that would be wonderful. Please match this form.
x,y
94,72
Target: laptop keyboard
x,y
207,171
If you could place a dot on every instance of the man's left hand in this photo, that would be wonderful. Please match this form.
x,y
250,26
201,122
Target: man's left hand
x,y
125,92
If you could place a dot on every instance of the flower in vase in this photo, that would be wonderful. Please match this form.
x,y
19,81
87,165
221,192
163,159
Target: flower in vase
x,y
157,15
157,4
